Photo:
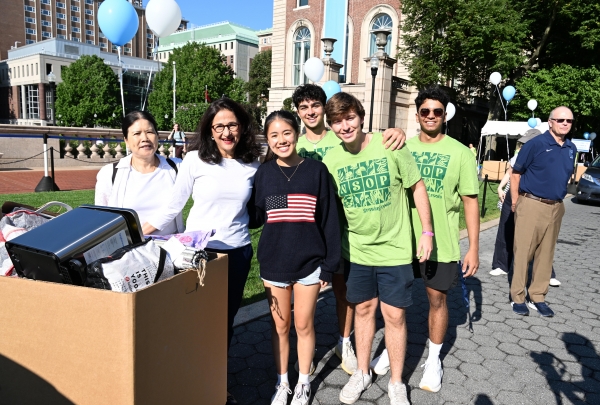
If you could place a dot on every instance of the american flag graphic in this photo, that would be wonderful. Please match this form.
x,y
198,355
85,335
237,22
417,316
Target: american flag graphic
x,y
291,208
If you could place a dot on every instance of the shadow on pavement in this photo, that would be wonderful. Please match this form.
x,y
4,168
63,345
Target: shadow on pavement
x,y
558,375
483,399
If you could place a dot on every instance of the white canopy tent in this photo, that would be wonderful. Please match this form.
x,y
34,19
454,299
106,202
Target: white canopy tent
x,y
508,129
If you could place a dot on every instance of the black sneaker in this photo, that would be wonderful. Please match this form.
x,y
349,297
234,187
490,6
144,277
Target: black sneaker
x,y
542,308
520,309
231,400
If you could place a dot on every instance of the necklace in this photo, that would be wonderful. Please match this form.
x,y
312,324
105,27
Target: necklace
x,y
290,178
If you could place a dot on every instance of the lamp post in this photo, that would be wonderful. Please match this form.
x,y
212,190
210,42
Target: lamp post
x,y
174,87
95,116
52,82
374,68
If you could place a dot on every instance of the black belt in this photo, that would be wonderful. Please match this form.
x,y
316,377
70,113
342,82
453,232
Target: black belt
x,y
540,199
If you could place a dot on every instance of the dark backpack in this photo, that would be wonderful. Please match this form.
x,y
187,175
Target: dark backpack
x,y
169,161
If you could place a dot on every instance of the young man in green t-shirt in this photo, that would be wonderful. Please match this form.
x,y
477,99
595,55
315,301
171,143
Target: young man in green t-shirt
x,y
309,101
447,169
372,184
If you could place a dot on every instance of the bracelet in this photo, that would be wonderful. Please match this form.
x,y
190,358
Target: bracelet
x,y
427,233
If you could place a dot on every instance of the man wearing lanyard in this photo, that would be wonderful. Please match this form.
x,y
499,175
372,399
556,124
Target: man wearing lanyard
x,y
538,186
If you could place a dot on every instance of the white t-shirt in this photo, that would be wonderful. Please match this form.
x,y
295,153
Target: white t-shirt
x,y
220,194
145,193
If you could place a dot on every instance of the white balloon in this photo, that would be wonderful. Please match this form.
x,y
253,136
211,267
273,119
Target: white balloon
x,y
495,78
593,136
532,104
450,111
539,122
314,69
163,16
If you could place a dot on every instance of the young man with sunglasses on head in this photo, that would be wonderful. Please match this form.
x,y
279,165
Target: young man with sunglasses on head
x,y
309,101
447,169
538,185
372,184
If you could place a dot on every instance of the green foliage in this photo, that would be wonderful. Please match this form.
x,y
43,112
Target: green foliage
x,y
464,41
576,88
197,66
89,87
237,90
260,77
256,114
288,105
190,114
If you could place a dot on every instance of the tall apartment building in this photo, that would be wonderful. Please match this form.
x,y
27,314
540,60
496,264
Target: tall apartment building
x,y
24,22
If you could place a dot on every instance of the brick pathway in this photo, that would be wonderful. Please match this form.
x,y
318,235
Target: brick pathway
x,y
25,181
507,359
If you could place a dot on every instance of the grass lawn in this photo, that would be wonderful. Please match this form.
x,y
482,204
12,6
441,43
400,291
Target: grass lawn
x,y
254,290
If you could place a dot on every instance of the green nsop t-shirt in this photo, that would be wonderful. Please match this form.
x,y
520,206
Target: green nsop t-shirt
x,y
317,151
372,188
447,170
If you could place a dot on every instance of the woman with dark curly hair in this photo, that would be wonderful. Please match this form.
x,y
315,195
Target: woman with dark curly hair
x,y
218,172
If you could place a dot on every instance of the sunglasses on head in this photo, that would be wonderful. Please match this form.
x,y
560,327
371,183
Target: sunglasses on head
x,y
438,112
561,120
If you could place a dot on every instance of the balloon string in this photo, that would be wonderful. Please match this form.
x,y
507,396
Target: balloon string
x,y
500,96
121,79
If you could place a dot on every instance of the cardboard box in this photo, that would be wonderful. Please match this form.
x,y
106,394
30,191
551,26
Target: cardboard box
x,y
494,169
166,344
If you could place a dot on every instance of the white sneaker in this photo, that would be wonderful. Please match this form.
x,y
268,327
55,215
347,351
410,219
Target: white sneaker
x,y
432,376
281,394
301,394
498,272
358,383
397,394
554,282
346,354
381,365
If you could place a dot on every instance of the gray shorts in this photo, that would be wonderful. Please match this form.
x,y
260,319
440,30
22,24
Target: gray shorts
x,y
311,279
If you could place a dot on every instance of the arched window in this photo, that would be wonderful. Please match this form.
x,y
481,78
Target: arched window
x,y
301,54
381,21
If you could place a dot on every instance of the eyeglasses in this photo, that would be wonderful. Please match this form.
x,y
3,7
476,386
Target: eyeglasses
x,y
438,112
232,127
561,120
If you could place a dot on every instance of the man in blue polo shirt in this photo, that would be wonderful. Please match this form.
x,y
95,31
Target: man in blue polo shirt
x,y
538,185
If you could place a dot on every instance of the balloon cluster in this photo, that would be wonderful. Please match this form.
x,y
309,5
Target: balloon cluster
x,y
119,22
314,69
588,135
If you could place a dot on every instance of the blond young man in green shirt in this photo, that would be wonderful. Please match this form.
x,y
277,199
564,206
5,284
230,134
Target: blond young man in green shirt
x,y
310,101
447,169
372,184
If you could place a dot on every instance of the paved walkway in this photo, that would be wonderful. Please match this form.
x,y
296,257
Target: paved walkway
x,y
506,359
13,181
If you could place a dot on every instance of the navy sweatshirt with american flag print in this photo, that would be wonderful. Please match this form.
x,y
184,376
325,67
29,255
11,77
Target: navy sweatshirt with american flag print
x,y
301,228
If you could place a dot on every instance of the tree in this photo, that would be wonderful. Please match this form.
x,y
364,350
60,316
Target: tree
x,y
461,42
260,77
237,90
576,88
89,87
190,114
198,67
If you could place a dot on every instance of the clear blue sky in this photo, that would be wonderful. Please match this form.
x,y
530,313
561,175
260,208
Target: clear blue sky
x,y
256,14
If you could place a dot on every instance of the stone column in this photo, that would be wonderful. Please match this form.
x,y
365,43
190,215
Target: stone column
x,y
42,100
14,102
383,93
332,70
24,103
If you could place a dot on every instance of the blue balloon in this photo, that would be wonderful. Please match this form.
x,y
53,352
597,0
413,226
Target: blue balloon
x,y
118,20
586,135
330,88
508,93
532,122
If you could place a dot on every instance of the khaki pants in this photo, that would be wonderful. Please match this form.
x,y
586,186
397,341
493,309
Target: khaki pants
x,y
536,230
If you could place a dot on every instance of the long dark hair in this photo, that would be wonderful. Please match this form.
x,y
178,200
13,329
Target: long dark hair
x,y
282,115
134,116
247,150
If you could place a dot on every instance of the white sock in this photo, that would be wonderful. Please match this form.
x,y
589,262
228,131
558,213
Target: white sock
x,y
343,340
434,351
282,378
303,378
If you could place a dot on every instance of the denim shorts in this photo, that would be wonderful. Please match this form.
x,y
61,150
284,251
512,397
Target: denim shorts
x,y
392,284
311,279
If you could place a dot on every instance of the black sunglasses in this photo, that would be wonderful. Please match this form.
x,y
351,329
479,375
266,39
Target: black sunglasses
x,y
561,120
438,112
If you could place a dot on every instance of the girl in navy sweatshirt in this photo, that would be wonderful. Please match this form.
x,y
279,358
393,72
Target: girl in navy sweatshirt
x,y
299,248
